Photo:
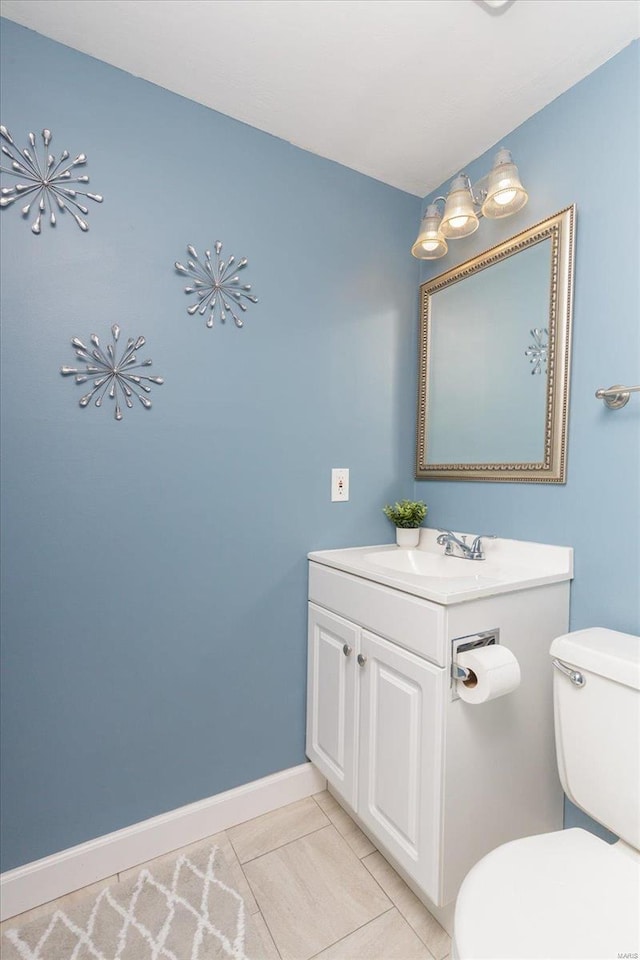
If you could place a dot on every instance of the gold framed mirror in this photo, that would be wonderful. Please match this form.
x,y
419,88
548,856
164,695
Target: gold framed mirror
x,y
495,351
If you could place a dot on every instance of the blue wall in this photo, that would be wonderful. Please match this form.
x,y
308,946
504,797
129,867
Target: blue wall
x,y
582,148
154,574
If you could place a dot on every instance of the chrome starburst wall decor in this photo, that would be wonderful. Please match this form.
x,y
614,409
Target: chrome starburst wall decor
x,y
216,285
112,376
538,350
45,181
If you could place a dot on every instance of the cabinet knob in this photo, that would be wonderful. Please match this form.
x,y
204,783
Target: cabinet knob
x,y
362,659
346,649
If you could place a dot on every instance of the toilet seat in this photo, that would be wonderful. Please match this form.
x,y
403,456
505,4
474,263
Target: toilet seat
x,y
558,895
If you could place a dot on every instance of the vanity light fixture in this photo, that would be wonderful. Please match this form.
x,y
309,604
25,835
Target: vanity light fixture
x,y
496,195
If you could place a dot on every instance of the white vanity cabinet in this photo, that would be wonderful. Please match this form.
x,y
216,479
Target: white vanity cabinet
x,y
435,782
374,729
332,699
400,756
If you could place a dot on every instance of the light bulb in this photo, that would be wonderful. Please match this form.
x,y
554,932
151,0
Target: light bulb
x,y
504,192
457,222
459,218
505,197
430,244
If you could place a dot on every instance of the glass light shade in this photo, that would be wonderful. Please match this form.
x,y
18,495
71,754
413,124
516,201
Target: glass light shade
x,y
430,244
505,193
459,218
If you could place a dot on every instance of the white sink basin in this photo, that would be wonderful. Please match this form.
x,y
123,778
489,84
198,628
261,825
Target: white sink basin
x,y
426,572
425,564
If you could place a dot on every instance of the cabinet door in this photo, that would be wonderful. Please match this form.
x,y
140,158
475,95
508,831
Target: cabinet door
x,y
401,756
332,699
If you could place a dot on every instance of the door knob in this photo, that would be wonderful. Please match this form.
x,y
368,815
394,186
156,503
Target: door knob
x,y
361,659
346,649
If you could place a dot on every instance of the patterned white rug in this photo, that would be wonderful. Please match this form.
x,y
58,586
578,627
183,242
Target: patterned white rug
x,y
187,909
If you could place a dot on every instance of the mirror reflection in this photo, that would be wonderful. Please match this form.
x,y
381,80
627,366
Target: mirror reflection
x,y
494,364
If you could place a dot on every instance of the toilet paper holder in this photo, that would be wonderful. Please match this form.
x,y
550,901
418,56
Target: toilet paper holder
x,y
470,642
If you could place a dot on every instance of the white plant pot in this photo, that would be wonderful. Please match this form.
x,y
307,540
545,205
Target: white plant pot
x,y
407,536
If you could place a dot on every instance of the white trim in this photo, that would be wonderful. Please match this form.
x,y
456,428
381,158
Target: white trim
x,y
52,877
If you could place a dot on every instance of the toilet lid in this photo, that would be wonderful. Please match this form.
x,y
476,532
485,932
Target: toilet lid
x,y
559,895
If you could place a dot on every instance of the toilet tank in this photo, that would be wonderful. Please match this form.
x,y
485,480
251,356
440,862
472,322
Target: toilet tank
x,y
597,727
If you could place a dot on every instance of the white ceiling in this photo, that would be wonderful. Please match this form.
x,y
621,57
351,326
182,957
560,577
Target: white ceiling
x,y
406,91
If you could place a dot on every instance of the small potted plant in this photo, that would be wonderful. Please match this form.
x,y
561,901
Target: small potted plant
x,y
407,515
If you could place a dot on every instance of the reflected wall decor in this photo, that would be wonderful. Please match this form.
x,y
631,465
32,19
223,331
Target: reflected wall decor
x,y
485,326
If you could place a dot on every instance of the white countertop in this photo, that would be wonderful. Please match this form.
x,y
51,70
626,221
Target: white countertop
x,y
425,571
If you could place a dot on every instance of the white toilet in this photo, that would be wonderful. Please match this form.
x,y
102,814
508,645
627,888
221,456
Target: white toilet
x,y
568,894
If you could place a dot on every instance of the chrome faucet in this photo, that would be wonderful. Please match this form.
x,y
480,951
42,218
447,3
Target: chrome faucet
x,y
455,547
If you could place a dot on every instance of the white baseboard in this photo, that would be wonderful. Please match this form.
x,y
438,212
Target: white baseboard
x,y
52,877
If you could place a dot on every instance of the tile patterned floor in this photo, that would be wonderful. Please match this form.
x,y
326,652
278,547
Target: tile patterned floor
x,y
317,889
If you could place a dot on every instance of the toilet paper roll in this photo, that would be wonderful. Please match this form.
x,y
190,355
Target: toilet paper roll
x,y
494,673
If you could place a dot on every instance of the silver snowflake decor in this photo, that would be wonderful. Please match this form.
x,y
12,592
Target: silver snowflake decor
x,y
112,376
537,352
45,182
216,285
